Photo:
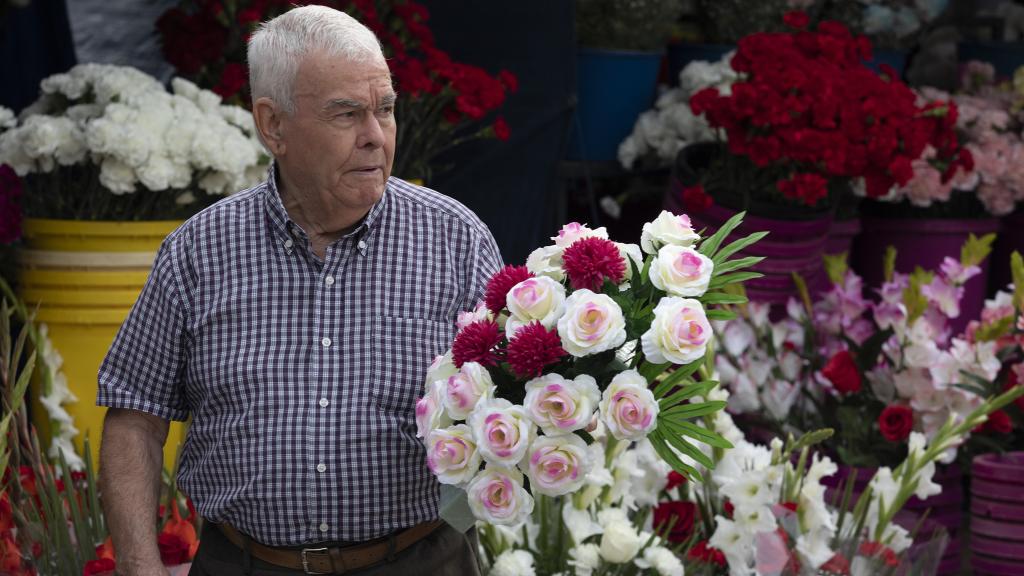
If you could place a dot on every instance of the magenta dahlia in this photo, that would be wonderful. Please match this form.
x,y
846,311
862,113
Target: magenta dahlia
x,y
533,348
589,261
501,283
477,342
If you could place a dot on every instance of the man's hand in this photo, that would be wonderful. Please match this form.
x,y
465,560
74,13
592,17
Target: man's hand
x,y
131,458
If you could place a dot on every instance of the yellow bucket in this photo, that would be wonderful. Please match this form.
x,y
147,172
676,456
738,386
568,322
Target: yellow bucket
x,y
84,278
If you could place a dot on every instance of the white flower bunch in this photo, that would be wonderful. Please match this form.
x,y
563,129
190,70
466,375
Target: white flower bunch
x,y
124,122
664,130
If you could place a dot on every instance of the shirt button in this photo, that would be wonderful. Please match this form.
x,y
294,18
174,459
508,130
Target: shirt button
x,y
288,244
321,467
324,527
326,342
324,402
329,280
361,246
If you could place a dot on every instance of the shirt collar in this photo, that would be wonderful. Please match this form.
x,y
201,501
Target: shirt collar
x,y
282,222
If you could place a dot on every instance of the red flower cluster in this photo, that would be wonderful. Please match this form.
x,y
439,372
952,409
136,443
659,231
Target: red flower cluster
x,y
701,552
998,422
809,108
534,348
477,342
696,200
842,372
879,550
588,261
495,296
680,516
896,423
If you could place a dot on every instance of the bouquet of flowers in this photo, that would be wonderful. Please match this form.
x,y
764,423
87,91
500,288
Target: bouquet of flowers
x,y
99,133
660,133
844,361
441,103
765,511
807,119
586,332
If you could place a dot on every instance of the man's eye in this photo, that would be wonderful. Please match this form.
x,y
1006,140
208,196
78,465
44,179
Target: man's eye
x,y
387,110
350,114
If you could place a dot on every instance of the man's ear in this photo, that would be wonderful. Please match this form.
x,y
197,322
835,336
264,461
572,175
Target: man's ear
x,y
268,118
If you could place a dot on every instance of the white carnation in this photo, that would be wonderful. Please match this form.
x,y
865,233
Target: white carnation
x,y
513,563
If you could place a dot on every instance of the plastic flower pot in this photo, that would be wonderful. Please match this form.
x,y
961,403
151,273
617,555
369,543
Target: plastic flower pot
x,y
613,87
923,242
84,277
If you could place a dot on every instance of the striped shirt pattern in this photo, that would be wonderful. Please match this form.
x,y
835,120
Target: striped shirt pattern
x,y
301,375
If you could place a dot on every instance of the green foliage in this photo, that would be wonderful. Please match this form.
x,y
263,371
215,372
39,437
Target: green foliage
x,y
836,267
626,24
975,250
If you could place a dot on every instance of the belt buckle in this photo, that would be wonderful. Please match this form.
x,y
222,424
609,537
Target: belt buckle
x,y
305,561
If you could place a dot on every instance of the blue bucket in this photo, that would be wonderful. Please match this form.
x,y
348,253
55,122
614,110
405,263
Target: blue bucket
x,y
682,53
895,58
613,87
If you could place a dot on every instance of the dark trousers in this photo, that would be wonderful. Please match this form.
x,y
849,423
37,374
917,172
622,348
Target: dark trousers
x,y
445,552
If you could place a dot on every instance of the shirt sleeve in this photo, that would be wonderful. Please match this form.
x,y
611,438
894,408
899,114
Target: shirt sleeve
x,y
144,368
486,259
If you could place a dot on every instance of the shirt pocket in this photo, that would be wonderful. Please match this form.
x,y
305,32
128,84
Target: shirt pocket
x,y
403,350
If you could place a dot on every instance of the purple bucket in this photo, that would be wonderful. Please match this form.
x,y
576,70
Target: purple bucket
x,y
998,529
1011,238
997,548
923,242
982,565
841,235
1004,492
984,508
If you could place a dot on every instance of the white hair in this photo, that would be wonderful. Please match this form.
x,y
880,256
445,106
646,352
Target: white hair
x,y
277,48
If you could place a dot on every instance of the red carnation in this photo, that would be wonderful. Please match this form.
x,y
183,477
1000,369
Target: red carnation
x,y
998,422
589,261
501,283
232,80
674,479
501,131
877,549
838,564
796,19
701,552
681,515
896,422
509,80
806,187
533,348
477,343
101,566
842,372
696,200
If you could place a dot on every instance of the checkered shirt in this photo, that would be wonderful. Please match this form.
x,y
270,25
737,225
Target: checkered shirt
x,y
301,376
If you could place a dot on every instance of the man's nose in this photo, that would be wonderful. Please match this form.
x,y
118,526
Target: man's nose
x,y
371,133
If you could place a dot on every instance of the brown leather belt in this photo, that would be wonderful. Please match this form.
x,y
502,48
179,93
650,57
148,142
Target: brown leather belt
x,y
333,560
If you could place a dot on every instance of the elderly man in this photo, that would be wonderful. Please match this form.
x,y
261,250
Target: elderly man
x,y
294,322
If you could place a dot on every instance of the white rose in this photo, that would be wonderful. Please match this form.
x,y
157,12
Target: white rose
x,y
430,414
619,543
503,431
546,261
513,563
497,496
667,228
557,465
679,334
681,271
631,253
585,558
534,299
592,323
574,231
561,406
477,314
452,455
465,389
628,407
442,368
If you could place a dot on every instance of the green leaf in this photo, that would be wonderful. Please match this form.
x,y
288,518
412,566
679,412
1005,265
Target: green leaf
x,y
710,245
675,378
650,370
736,246
734,278
867,355
657,440
836,267
696,432
687,392
975,250
739,264
913,299
889,263
723,298
720,314
995,330
680,444
694,410
1017,271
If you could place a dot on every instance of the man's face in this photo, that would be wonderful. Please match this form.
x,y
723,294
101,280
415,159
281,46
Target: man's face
x,y
340,142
